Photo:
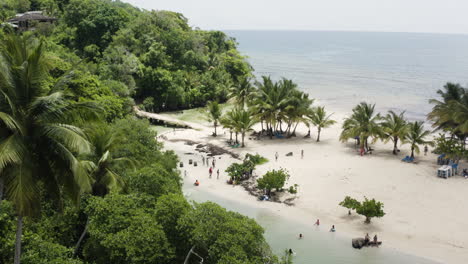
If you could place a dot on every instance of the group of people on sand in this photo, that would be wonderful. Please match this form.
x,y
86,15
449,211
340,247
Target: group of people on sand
x,y
206,161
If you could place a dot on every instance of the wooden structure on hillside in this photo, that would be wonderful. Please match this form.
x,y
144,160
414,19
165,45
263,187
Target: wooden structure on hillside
x,y
29,20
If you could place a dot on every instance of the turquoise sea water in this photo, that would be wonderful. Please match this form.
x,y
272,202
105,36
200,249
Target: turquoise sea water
x,y
317,246
400,71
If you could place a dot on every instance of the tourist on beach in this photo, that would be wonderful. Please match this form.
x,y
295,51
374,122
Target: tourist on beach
x,y
425,150
300,236
276,156
217,174
210,171
196,183
290,252
375,240
302,154
213,162
317,222
185,173
203,159
333,228
367,239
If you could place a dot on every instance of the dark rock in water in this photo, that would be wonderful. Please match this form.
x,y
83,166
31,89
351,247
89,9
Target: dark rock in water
x,y
358,243
195,164
190,162
181,164
289,154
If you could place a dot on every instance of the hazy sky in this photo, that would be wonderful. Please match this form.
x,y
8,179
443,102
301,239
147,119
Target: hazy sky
x,y
442,16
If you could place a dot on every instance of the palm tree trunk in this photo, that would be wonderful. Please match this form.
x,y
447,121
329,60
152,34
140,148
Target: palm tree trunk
x,y
230,139
318,134
395,140
78,244
19,233
294,131
237,141
243,136
412,152
215,128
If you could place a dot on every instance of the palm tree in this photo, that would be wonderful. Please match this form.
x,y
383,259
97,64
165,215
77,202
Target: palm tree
x,y
395,128
242,122
214,113
39,142
362,124
451,114
416,136
241,91
101,166
320,119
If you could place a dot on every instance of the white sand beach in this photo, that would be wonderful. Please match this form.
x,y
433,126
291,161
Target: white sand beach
x,y
425,215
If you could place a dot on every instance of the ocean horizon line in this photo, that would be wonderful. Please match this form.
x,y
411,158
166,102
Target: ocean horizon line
x,y
344,31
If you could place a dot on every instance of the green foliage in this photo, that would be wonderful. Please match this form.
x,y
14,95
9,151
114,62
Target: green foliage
x,y
395,128
277,103
214,113
274,179
155,180
7,231
39,251
218,235
451,147
370,209
417,136
293,189
123,229
236,171
320,119
350,203
363,123
256,159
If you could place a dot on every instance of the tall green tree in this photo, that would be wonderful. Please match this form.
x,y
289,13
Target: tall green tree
x,y
243,121
363,123
394,128
39,141
241,91
102,165
214,114
320,119
417,136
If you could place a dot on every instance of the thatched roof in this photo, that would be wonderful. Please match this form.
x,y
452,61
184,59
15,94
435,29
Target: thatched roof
x,y
31,16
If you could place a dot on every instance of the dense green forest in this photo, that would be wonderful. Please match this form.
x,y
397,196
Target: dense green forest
x,y
81,179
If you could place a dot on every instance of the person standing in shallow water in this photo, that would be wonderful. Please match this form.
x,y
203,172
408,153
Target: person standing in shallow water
x,y
217,174
276,156
210,171
426,149
317,223
302,154
203,159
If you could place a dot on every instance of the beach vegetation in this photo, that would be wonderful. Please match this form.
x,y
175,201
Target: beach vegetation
x,y
242,122
450,114
241,91
83,181
451,147
370,209
395,129
293,189
273,179
279,103
363,124
256,159
417,136
350,203
214,114
320,119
